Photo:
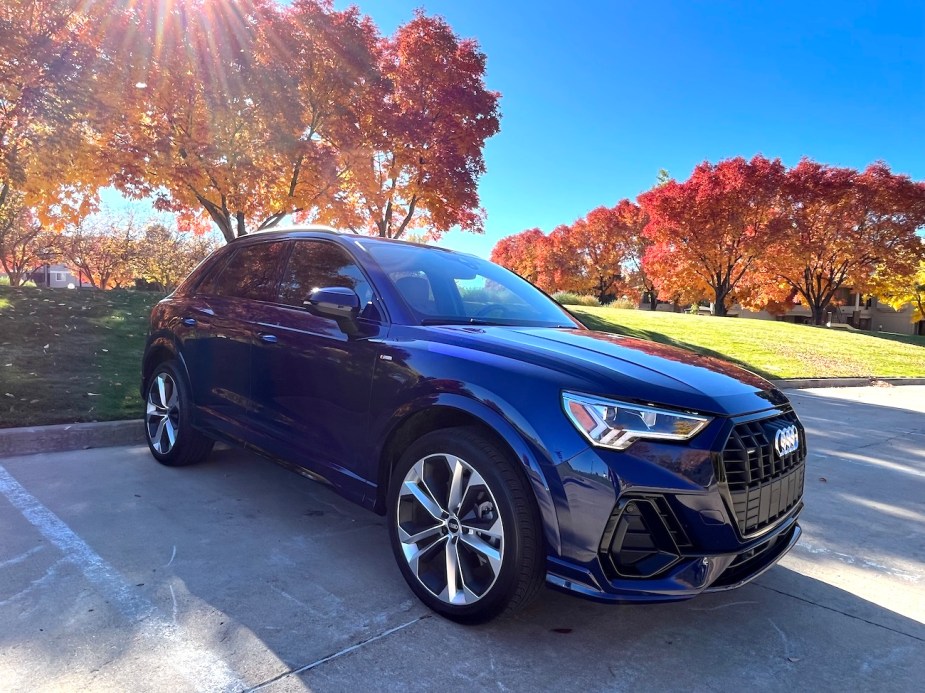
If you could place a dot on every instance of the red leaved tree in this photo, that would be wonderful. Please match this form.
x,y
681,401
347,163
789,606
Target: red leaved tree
x,y
419,160
708,231
843,227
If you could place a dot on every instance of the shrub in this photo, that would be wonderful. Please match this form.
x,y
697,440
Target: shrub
x,y
625,303
567,298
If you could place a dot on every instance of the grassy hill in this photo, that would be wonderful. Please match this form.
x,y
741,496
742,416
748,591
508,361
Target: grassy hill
x,y
68,356
769,348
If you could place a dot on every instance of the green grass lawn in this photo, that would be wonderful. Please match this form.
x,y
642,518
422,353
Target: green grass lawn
x,y
769,348
68,356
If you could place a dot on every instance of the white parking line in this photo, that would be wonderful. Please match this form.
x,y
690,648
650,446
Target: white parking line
x,y
203,669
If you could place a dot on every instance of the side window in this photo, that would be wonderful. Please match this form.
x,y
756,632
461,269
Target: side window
x,y
251,273
320,264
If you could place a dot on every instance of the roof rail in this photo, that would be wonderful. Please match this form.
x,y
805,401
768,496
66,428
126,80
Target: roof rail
x,y
299,227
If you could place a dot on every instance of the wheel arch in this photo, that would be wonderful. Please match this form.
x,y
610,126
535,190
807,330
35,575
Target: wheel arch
x,y
160,349
456,412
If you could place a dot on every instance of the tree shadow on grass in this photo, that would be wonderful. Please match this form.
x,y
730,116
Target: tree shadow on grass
x,y
913,340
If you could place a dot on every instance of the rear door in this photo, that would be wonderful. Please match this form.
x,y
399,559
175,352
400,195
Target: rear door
x,y
311,381
220,320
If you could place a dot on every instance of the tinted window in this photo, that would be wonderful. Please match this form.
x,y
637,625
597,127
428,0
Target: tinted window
x,y
445,288
252,272
317,265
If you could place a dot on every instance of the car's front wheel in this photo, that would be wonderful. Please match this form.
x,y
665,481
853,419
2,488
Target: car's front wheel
x,y
168,412
464,526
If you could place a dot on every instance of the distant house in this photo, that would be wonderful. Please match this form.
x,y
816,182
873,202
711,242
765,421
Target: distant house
x,y
852,309
58,277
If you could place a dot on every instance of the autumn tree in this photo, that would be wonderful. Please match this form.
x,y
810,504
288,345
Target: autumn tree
x,y
639,281
166,255
636,278
591,254
104,249
24,242
50,69
239,110
708,231
524,254
420,158
899,289
843,228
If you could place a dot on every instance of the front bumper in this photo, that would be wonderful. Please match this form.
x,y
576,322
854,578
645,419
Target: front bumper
x,y
688,577
665,522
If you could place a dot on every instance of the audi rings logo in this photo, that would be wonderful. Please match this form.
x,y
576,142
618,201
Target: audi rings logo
x,y
787,440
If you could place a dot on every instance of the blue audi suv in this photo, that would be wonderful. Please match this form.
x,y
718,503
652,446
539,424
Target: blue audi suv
x,y
509,446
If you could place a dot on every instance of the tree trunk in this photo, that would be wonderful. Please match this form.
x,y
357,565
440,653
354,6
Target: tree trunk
x,y
653,300
818,312
719,305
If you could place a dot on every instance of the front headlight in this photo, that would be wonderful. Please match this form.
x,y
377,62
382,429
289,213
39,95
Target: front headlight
x,y
613,424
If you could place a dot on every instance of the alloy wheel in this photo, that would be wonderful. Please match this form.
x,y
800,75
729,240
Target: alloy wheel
x,y
162,413
451,533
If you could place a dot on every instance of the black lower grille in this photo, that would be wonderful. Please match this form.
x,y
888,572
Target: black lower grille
x,y
764,483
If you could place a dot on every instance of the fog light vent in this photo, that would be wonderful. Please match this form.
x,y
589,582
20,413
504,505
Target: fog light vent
x,y
641,545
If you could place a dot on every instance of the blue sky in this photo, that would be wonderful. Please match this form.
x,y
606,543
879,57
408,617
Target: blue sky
x,y
598,96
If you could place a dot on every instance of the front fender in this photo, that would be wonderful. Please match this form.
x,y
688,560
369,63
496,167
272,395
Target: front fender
x,y
516,433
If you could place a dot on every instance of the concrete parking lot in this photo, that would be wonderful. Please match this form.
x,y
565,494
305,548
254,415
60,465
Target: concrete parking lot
x,y
119,574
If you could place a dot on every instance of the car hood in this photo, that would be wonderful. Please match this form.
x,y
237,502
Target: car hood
x,y
625,367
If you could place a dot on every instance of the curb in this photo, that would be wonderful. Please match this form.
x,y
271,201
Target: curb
x,y
31,440
801,383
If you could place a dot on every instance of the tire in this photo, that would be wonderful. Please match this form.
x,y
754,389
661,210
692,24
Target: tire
x,y
485,528
168,419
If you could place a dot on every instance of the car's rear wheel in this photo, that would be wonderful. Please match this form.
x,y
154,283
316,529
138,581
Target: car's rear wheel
x,y
464,526
168,411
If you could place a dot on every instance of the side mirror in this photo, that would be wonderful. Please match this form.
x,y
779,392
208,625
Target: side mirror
x,y
336,302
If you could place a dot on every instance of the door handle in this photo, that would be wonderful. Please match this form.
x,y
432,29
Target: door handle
x,y
268,338
189,322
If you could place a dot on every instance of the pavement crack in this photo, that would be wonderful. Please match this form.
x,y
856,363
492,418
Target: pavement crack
x,y
838,611
335,655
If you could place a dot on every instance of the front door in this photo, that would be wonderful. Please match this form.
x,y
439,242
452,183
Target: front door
x,y
311,381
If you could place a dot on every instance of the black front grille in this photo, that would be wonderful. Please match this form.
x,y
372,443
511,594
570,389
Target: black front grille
x,y
763,485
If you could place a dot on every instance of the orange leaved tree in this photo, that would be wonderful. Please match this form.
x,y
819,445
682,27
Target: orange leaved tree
x,y
525,254
708,231
51,78
238,110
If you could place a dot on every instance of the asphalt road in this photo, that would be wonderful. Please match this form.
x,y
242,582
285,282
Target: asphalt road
x,y
119,574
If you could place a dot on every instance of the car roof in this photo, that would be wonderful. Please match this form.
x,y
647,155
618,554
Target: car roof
x,y
317,230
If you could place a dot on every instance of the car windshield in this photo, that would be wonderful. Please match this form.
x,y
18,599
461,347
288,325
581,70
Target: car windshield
x,y
445,288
